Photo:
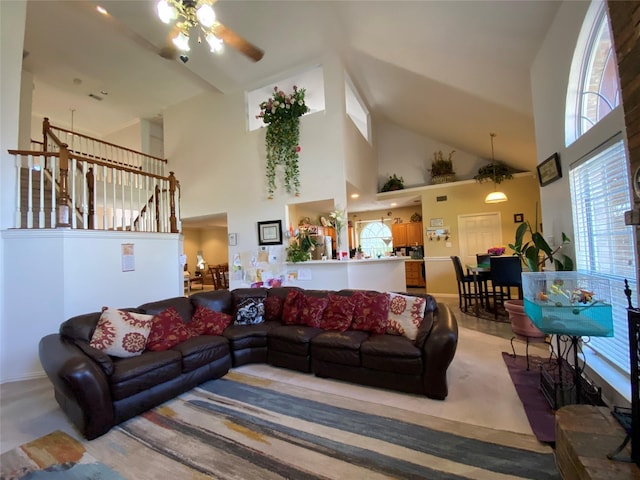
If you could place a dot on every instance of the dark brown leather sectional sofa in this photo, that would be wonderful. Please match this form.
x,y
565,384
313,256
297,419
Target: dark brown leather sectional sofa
x,y
98,391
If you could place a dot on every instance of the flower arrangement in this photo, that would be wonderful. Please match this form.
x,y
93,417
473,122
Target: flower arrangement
x,y
339,220
281,113
496,250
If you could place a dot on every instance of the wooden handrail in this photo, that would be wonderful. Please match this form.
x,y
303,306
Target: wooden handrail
x,y
49,127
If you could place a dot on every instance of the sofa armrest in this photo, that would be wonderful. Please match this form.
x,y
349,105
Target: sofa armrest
x,y
80,385
438,351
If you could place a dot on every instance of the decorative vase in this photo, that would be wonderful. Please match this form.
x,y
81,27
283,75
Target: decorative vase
x,y
521,325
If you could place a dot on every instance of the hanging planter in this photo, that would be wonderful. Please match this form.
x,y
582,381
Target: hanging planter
x,y
281,113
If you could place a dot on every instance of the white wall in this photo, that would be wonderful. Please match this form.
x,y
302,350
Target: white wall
x,y
52,275
211,151
549,80
409,155
129,137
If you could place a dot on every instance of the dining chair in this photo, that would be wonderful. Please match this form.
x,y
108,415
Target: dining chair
x,y
506,274
466,285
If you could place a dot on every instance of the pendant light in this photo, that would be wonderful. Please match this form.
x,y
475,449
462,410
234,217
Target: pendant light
x,y
495,196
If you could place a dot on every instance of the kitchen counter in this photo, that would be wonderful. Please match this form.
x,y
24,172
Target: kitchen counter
x,y
381,274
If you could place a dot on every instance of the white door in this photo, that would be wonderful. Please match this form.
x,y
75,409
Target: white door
x,y
478,232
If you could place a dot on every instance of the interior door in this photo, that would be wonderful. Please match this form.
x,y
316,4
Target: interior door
x,y
477,233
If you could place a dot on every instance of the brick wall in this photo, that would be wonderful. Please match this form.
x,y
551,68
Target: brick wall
x,y
625,25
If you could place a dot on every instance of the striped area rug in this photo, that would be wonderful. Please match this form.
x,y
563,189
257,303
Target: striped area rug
x,y
244,427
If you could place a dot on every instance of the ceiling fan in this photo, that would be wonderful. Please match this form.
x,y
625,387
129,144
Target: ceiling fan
x,y
197,18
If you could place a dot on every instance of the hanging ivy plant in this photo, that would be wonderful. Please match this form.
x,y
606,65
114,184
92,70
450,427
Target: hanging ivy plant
x,y
281,113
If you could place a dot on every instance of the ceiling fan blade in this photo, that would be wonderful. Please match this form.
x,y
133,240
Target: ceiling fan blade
x,y
169,50
231,38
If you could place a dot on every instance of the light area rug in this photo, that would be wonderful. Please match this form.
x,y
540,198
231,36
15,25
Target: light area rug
x,y
246,427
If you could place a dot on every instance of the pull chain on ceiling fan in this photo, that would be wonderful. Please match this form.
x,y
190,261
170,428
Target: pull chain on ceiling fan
x,y
198,16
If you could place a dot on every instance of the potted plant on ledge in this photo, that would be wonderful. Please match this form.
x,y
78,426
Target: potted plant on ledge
x,y
393,183
441,169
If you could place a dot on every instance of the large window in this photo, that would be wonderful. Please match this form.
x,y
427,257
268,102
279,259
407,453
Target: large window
x,y
604,244
594,89
375,239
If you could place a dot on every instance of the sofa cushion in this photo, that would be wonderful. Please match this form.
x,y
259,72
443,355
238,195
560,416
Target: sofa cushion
x,y
273,308
291,308
167,330
181,305
121,334
342,348
406,314
137,374
98,356
201,350
216,300
245,336
391,353
371,312
293,339
311,310
249,311
338,314
208,322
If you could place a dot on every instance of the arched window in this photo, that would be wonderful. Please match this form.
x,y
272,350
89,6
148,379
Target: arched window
x,y
594,88
375,239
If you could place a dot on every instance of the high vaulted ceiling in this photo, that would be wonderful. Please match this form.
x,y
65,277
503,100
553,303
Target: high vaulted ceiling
x,y
449,70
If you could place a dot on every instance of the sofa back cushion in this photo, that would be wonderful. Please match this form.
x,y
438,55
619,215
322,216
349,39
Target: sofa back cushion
x,y
371,313
216,300
182,306
80,327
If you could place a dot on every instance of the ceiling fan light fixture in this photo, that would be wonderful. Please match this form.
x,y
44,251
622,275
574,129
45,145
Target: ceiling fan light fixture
x,y
496,197
181,41
215,43
166,12
206,15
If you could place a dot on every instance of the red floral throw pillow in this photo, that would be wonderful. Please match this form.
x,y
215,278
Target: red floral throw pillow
x,y
405,315
121,334
338,314
208,322
311,310
167,331
291,308
273,308
371,312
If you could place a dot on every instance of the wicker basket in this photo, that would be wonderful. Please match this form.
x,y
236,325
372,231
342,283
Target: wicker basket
x,y
437,179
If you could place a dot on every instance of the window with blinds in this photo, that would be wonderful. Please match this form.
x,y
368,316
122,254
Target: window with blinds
x,y
604,244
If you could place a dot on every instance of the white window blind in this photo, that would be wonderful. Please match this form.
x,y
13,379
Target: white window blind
x,y
604,244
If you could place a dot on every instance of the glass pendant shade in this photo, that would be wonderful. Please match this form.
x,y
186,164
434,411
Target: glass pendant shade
x,y
166,12
495,197
215,43
206,15
182,42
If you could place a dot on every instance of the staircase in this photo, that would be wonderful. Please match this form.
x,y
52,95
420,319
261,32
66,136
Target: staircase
x,y
96,185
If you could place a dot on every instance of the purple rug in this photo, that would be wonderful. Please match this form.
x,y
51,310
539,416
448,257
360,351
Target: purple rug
x,y
540,415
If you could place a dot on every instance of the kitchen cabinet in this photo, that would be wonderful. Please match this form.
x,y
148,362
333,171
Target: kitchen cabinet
x,y
413,273
399,233
407,234
414,234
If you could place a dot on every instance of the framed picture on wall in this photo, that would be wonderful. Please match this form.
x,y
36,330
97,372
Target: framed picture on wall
x,y
270,233
549,170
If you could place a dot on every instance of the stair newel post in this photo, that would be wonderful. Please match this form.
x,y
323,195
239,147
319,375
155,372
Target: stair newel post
x,y
157,200
91,203
63,199
172,203
45,130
